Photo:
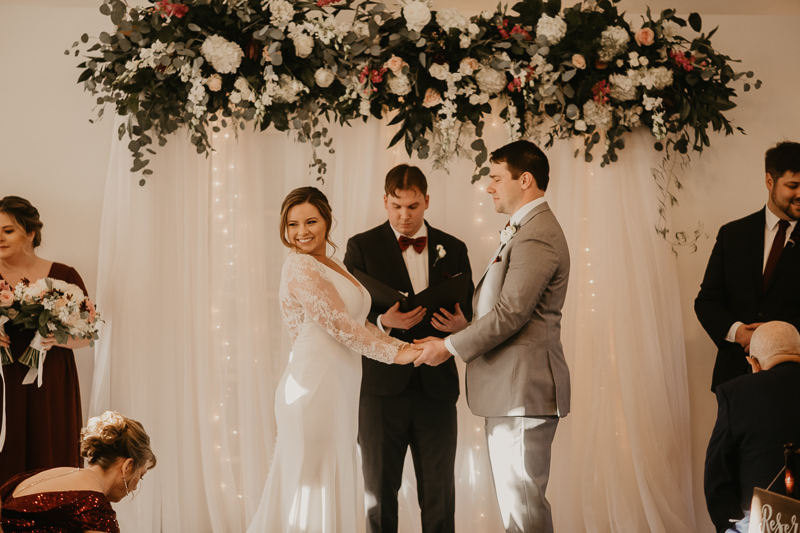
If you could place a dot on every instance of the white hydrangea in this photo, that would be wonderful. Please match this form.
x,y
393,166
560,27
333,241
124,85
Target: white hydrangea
x,y
222,54
629,117
303,42
281,12
601,116
417,15
613,41
452,18
655,78
554,28
623,86
490,80
399,85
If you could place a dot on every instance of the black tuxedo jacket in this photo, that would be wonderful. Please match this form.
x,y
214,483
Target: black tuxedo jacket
x,y
758,414
732,290
376,252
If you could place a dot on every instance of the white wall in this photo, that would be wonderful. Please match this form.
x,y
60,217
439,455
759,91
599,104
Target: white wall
x,y
50,154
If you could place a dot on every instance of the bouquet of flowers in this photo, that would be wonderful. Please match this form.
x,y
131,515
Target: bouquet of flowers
x,y
9,308
53,306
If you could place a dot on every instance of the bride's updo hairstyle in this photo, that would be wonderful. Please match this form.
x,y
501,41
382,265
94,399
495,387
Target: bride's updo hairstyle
x,y
111,436
306,195
27,216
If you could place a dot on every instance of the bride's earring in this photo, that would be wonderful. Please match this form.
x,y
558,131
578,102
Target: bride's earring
x,y
127,492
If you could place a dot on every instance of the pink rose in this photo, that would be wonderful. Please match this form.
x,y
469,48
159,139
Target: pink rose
x,y
214,82
468,66
6,298
432,98
578,61
645,37
395,64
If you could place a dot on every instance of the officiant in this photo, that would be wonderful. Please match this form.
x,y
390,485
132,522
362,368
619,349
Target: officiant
x,y
404,406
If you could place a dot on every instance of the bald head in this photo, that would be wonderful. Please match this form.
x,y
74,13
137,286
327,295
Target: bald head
x,y
775,342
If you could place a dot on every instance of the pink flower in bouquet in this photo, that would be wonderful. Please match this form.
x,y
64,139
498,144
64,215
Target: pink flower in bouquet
x,y
92,310
171,10
680,58
395,64
645,37
600,92
6,298
323,3
432,98
523,31
578,61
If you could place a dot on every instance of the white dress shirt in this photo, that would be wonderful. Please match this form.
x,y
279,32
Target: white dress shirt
x,y
483,307
770,231
416,265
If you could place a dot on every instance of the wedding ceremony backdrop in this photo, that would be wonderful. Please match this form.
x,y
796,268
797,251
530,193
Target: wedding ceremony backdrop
x,y
185,270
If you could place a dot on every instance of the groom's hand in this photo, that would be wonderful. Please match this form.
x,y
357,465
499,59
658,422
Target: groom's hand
x,y
434,352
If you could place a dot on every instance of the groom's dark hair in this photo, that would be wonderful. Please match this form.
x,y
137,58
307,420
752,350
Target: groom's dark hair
x,y
404,178
781,158
521,157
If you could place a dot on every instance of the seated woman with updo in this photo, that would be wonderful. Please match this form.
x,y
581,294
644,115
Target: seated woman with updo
x,y
67,500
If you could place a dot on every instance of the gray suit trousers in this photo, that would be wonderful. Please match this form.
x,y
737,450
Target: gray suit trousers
x,y
519,454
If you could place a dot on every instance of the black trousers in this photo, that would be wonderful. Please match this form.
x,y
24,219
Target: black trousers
x,y
387,426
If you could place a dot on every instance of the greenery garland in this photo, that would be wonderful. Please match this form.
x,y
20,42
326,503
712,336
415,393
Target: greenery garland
x,y
209,64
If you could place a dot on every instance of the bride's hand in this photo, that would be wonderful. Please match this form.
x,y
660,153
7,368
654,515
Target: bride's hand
x,y
407,354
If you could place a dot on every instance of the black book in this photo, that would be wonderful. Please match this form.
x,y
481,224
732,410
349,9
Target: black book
x,y
445,294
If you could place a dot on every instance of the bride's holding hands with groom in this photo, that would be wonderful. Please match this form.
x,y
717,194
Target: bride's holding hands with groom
x,y
517,377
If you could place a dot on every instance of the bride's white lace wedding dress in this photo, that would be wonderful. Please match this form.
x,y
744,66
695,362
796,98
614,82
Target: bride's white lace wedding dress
x,y
312,484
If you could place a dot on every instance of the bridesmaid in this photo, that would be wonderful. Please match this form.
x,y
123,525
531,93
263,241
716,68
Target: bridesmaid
x,y
43,423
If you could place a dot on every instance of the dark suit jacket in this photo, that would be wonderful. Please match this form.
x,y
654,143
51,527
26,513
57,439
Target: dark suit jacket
x,y
377,253
758,414
732,290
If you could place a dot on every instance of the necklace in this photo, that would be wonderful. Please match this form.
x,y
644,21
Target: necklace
x,y
29,485
98,481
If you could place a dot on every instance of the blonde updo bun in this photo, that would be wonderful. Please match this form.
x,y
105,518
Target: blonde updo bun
x,y
111,436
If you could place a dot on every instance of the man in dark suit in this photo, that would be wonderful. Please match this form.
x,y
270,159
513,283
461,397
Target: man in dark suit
x,y
404,406
757,415
752,275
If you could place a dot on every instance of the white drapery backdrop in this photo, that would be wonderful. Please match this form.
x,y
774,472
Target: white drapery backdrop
x,y
193,344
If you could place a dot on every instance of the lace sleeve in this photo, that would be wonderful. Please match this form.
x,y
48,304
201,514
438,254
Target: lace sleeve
x,y
375,330
308,284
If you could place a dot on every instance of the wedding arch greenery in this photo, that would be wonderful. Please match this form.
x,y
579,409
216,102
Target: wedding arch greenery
x,y
582,71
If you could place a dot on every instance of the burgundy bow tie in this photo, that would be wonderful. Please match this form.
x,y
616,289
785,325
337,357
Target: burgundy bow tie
x,y
418,243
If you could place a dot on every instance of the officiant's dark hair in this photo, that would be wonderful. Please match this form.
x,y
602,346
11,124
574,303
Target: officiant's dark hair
x,y
521,157
783,157
306,195
404,178
27,216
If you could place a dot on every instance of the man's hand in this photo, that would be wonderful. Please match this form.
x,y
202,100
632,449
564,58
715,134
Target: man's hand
x,y
744,333
434,352
393,318
450,323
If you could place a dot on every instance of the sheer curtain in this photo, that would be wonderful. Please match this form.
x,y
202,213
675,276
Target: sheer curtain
x,y
193,344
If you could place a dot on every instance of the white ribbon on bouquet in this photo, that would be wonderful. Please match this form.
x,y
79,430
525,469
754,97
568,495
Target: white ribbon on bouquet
x,y
36,373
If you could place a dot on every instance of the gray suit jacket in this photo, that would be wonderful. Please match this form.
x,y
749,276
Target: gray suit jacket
x,y
515,361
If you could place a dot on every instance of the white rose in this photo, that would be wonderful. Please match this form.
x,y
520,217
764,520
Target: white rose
x,y
222,54
439,72
214,82
643,61
490,80
580,125
399,85
243,87
473,30
303,44
432,98
487,15
417,15
324,77
235,97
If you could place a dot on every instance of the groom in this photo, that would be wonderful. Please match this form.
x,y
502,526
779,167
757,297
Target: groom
x,y
517,377
403,407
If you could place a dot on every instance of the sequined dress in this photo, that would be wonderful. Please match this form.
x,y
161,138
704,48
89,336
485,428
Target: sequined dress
x,y
312,484
73,511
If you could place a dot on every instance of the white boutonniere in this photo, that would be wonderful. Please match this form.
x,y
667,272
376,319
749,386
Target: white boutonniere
x,y
440,253
507,233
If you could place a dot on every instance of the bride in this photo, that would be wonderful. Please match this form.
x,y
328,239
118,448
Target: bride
x,y
312,484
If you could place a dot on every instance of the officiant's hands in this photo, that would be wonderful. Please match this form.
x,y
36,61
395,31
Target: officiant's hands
x,y
449,322
394,318
407,354
434,352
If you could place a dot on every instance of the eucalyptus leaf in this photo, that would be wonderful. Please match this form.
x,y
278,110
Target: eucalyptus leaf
x,y
568,75
194,27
